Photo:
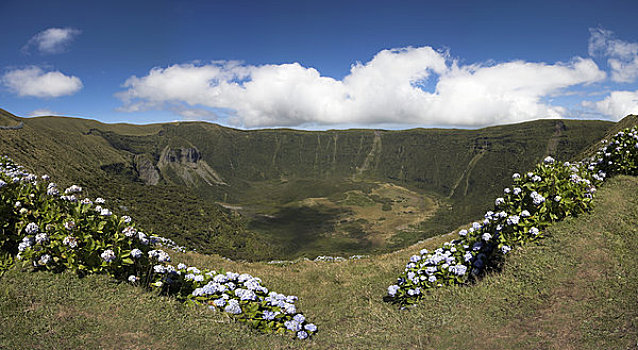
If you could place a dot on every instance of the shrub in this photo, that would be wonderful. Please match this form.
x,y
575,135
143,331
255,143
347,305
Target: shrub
x,y
49,230
551,192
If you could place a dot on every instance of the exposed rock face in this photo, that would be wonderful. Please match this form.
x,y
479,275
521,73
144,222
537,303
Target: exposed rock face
x,y
188,165
12,127
181,155
146,170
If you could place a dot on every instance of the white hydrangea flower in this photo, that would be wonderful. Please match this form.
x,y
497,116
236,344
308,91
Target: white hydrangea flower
x,y
108,255
41,238
73,189
69,225
467,256
136,253
129,231
32,228
459,269
70,241
537,198
44,259
513,220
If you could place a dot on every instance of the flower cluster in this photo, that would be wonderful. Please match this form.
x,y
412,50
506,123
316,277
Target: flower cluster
x,y
619,155
244,296
55,230
551,192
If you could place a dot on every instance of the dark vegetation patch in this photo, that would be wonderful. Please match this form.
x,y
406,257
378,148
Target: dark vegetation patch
x,y
265,170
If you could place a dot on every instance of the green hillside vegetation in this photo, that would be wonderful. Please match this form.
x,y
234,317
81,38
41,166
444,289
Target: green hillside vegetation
x,y
575,289
283,194
627,122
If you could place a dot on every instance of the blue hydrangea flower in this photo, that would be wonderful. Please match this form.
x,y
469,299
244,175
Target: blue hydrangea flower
x,y
302,335
293,325
269,315
233,307
299,318
393,289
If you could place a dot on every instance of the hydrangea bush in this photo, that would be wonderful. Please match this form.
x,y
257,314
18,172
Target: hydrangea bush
x,y
551,192
49,229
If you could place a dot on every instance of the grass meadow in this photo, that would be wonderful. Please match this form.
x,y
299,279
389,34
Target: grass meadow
x,y
576,289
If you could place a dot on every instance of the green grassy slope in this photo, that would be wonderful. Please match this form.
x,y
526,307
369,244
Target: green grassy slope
x,y
265,172
626,122
576,289
64,149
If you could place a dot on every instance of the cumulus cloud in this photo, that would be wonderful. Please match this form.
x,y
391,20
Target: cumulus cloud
x,y
34,82
617,105
622,56
41,112
392,88
52,40
195,113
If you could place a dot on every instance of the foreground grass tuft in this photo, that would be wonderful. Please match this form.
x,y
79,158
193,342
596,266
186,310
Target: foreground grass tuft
x,y
576,289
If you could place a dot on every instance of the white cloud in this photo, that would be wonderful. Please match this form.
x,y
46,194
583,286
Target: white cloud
x,y
195,113
388,89
41,112
52,40
622,56
617,105
33,81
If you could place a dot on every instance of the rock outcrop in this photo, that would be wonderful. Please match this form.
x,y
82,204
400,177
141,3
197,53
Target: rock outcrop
x,y
146,170
188,165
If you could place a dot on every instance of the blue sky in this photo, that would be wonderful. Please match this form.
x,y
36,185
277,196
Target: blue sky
x,y
320,64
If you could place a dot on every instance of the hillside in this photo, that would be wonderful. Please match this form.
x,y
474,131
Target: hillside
x,y
576,289
626,122
268,194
